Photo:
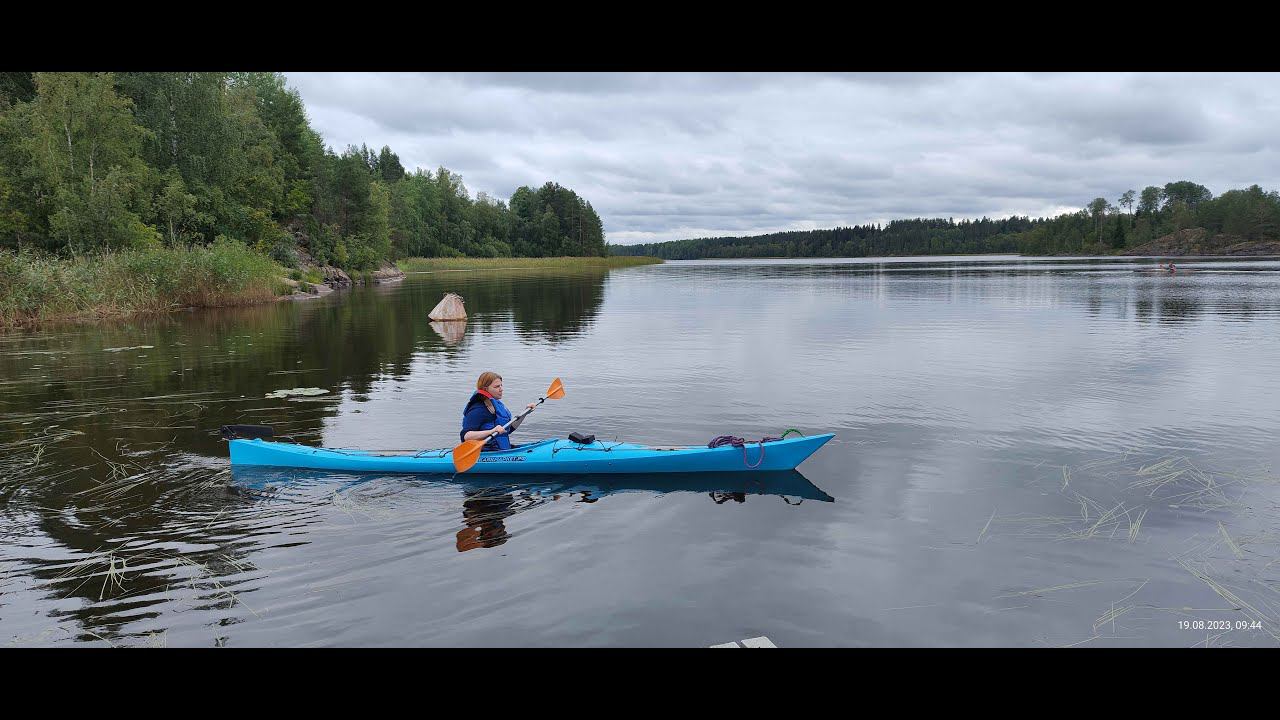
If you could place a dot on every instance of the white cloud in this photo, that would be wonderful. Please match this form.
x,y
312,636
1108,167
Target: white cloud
x,y
664,156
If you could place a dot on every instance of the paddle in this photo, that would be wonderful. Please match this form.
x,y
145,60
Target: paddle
x,y
466,454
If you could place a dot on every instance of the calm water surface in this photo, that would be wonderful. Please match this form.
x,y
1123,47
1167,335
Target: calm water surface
x,y
1028,453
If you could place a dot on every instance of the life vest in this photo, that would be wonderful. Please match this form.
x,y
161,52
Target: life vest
x,y
500,416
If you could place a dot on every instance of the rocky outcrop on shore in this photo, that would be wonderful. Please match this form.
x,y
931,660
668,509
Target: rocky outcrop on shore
x,y
334,278
1197,241
337,279
386,273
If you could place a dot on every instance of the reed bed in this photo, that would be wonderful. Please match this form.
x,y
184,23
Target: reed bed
x,y
38,287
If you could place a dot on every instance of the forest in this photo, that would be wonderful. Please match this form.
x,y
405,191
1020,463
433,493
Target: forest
x,y
93,162
1100,227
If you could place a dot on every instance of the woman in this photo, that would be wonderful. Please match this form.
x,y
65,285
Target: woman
x,y
485,411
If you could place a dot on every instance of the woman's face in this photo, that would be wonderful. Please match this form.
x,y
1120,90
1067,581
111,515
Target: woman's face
x,y
495,388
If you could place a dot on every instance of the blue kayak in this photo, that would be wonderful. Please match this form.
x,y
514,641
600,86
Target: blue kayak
x,y
554,457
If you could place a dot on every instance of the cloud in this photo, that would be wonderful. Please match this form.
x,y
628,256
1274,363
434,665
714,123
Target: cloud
x,y
664,156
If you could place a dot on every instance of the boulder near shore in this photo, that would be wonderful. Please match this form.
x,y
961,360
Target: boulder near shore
x,y
449,308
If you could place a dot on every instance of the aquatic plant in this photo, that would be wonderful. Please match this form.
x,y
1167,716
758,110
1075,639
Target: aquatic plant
x,y
37,286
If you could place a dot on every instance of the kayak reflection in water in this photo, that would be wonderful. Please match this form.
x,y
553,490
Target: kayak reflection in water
x,y
485,411
488,501
483,512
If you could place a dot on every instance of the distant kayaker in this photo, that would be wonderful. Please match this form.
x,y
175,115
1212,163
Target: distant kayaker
x,y
485,411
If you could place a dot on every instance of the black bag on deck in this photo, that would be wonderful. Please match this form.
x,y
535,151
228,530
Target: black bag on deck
x,y
582,439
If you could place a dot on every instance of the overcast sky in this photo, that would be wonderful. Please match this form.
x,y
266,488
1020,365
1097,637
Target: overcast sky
x,y
666,156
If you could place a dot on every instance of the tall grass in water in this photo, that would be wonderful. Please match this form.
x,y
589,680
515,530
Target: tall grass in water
x,y
37,287
417,264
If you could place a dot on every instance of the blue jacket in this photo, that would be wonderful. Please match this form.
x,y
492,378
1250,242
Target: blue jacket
x,y
475,416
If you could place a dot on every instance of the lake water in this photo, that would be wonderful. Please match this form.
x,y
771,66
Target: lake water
x,y
1027,453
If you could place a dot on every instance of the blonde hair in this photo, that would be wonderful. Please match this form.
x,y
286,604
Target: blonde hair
x,y
486,379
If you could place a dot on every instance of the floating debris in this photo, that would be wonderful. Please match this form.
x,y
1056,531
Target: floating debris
x,y
131,347
298,391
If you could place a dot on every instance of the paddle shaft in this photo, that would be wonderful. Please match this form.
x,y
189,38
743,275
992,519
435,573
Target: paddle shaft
x,y
515,420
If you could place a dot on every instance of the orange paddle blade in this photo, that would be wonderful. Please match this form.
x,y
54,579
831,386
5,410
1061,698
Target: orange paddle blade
x,y
466,455
556,391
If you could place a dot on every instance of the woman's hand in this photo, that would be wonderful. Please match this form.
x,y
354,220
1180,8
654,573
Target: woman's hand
x,y
501,430
532,405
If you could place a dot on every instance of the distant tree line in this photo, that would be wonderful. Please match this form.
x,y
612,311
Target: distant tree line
x,y
1100,227
121,160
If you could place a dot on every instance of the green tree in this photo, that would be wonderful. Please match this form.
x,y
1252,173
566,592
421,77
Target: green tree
x,y
281,109
176,208
376,224
80,147
209,128
1098,210
549,233
389,166
16,87
1126,201
1149,201
1251,213
1183,217
1116,233
99,215
1186,192
351,182
412,206
13,222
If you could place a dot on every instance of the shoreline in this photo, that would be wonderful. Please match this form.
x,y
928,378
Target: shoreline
x,y
42,290
421,265
78,290
1130,254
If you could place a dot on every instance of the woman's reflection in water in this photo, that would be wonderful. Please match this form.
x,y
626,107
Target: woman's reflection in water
x,y
484,510
483,514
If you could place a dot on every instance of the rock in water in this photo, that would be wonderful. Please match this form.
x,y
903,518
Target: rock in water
x,y
450,308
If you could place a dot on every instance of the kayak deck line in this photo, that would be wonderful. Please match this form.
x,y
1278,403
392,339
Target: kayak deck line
x,y
551,456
